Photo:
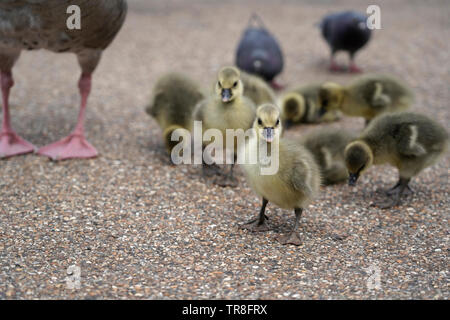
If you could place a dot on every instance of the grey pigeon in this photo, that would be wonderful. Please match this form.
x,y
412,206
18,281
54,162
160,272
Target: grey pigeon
x,y
259,53
345,31
42,24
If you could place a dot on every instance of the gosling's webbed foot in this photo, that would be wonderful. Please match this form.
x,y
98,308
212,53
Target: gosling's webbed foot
x,y
397,188
291,238
389,203
256,226
396,193
393,199
226,181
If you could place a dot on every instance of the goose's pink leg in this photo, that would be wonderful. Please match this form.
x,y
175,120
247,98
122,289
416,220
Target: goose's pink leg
x,y
75,145
10,143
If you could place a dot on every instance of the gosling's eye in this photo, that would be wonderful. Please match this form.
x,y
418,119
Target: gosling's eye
x,y
259,121
235,84
278,122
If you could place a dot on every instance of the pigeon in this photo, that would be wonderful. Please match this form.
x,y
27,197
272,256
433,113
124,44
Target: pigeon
x,y
345,31
259,53
44,24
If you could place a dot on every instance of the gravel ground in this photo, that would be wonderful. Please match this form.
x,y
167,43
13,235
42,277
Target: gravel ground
x,y
139,227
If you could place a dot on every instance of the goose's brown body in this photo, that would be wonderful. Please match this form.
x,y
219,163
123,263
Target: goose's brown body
x,y
42,24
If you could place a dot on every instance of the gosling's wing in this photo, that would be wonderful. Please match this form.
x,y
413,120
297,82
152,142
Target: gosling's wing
x,y
298,169
299,182
407,139
198,113
380,99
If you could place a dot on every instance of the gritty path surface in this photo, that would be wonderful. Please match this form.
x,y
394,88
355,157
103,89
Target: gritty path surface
x,y
141,228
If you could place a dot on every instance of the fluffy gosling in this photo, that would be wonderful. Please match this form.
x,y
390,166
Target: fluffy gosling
x,y
226,108
408,141
174,99
301,105
297,180
257,89
327,146
367,96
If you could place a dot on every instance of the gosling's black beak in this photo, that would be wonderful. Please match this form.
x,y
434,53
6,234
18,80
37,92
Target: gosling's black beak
x,y
269,133
226,95
353,177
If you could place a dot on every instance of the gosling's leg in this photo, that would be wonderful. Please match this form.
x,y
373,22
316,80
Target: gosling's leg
x,y
259,224
395,189
395,193
293,237
209,170
229,180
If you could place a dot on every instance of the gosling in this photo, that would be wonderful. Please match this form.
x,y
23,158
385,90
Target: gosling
x,y
327,146
408,141
301,105
367,96
293,185
257,89
174,99
226,108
